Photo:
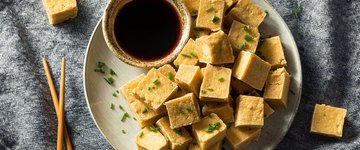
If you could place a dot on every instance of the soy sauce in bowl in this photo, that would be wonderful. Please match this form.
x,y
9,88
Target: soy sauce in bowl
x,y
148,30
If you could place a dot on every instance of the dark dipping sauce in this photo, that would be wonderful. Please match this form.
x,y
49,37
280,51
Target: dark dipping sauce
x,y
148,30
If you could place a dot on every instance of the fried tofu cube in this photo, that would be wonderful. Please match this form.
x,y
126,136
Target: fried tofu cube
x,y
277,88
195,146
209,131
151,139
239,138
240,87
246,12
243,37
216,84
168,71
188,55
210,14
183,111
268,111
272,51
189,78
215,49
59,11
249,112
251,69
328,120
223,110
142,113
192,6
179,139
155,89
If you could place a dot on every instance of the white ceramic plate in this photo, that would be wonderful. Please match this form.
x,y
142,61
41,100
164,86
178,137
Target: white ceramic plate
x,y
99,94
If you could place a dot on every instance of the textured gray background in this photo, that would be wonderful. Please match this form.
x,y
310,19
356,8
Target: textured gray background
x,y
327,34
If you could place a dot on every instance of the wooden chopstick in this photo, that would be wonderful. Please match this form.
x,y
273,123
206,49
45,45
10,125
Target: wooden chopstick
x,y
61,107
56,101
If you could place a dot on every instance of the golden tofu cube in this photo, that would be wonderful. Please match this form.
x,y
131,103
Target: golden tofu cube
x,y
268,111
271,50
215,49
216,84
168,71
246,12
239,138
240,87
179,138
328,120
277,88
142,113
251,69
189,78
192,6
151,139
183,111
60,10
155,89
195,146
210,14
209,131
188,55
243,37
223,110
249,112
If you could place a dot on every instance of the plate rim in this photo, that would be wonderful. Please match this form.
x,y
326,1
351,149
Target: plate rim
x,y
292,116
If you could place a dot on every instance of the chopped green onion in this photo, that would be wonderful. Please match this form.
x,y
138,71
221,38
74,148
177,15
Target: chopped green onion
x,y
210,115
109,80
99,70
112,106
121,107
246,28
193,54
153,87
169,75
149,88
75,130
297,10
141,134
144,111
186,55
177,131
156,81
210,89
123,131
114,94
243,45
212,127
166,138
112,72
215,19
124,116
203,91
188,109
153,129
248,38
134,118
100,64
117,91
221,79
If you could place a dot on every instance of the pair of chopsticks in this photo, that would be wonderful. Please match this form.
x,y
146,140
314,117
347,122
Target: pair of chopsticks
x,y
59,105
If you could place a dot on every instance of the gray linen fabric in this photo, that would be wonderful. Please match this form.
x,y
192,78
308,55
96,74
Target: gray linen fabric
x,y
327,34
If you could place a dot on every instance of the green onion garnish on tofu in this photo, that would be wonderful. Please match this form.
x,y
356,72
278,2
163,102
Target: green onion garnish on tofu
x,y
144,110
188,109
215,19
203,91
248,38
246,28
169,75
212,127
243,45
210,89
155,81
153,129
221,79
177,131
186,55
141,134
193,54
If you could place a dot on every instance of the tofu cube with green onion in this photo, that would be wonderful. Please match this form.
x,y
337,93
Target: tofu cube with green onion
x,y
216,84
271,51
154,89
183,111
143,114
251,69
243,37
168,71
192,6
249,111
179,138
209,131
188,55
215,49
210,14
223,110
189,78
239,138
247,12
151,138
